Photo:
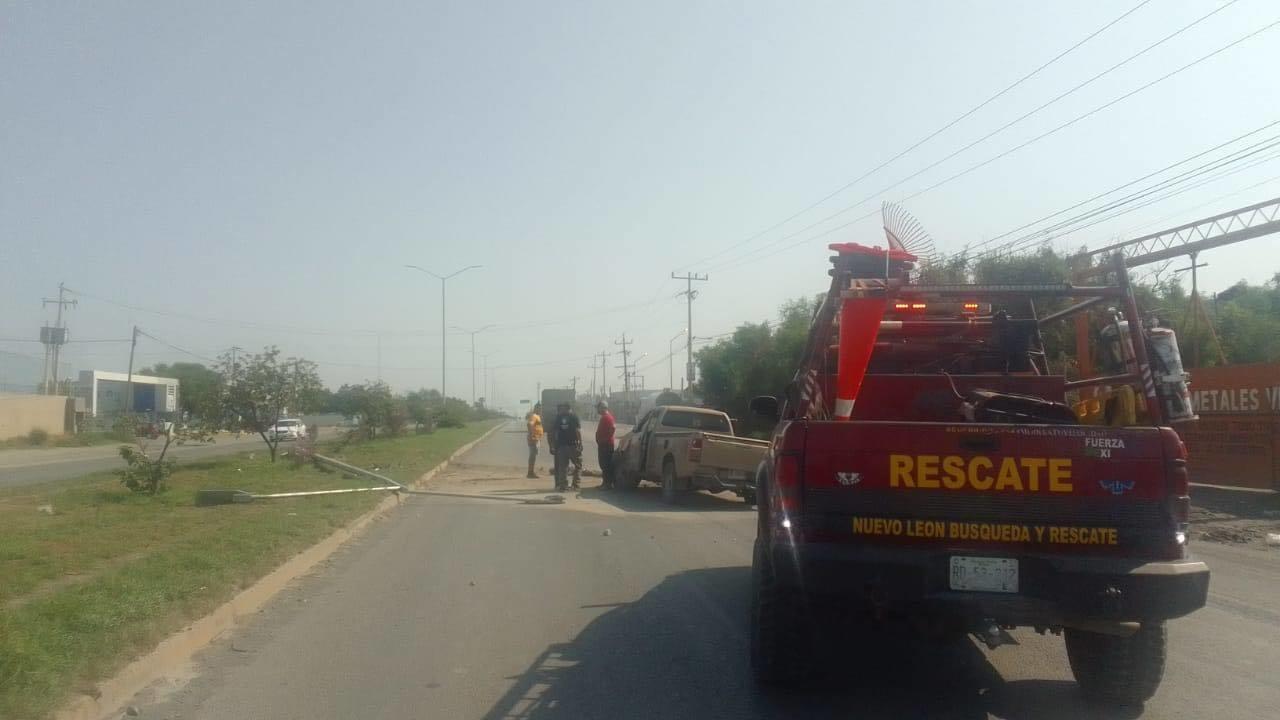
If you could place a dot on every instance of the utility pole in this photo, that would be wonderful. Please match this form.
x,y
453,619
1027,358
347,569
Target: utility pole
x,y
1194,310
297,401
626,371
671,360
594,366
689,295
53,339
574,383
604,380
235,354
379,358
128,397
486,379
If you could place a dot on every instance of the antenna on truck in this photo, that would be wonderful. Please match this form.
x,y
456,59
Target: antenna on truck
x,y
904,232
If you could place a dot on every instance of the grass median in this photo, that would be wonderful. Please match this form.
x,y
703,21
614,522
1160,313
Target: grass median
x,y
92,575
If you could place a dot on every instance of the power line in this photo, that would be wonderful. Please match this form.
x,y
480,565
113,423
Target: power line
x,y
500,327
214,320
1134,197
1183,211
69,342
176,348
1152,202
977,166
1183,161
1134,200
931,135
1009,124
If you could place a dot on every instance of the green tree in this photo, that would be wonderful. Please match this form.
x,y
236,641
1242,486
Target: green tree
x,y
422,405
372,404
758,359
260,389
199,387
147,469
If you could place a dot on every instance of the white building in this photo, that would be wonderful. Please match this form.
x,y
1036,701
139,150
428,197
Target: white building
x,y
105,393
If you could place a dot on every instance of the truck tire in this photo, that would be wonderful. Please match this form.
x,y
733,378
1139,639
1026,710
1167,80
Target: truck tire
x,y
669,481
1118,670
628,480
782,644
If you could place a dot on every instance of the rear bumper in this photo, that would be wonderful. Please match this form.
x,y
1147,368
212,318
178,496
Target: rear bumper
x,y
718,481
1052,590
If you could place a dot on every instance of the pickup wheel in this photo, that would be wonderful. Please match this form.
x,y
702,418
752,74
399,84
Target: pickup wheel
x,y
1118,670
669,481
781,639
627,480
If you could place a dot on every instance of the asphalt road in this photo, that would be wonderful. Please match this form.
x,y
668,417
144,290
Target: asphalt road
x,y
462,608
24,467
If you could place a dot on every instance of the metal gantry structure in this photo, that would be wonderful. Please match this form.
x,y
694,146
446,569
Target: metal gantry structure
x,y
1226,228
1186,240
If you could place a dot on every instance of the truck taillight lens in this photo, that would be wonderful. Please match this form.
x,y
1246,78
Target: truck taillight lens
x,y
695,450
786,495
1178,487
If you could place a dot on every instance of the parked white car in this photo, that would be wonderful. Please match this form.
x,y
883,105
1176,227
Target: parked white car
x,y
288,429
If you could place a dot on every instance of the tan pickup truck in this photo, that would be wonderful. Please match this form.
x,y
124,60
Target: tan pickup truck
x,y
689,448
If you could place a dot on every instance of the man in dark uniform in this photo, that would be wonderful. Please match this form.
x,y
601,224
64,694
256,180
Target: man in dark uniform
x,y
566,445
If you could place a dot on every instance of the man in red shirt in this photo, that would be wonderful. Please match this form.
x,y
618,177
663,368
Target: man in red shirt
x,y
604,442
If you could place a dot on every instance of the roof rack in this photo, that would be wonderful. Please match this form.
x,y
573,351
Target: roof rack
x,y
1060,289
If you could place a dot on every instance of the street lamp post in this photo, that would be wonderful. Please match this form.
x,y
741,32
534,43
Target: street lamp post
x,y
473,334
671,365
444,362
489,395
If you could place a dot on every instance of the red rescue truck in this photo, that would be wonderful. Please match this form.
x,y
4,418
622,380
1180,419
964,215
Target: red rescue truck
x,y
927,465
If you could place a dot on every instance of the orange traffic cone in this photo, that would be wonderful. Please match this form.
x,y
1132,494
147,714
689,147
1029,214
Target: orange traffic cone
x,y
861,310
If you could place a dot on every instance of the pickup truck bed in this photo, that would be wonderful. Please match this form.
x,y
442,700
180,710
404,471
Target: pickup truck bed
x,y
686,448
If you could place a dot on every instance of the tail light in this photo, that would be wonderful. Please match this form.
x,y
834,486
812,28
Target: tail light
x,y
1178,487
695,450
970,308
787,488
910,306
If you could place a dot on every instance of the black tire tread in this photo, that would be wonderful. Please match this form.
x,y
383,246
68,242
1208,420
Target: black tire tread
x,y
1120,670
669,491
781,638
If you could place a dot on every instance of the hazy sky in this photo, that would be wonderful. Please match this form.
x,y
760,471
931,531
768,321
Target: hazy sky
x,y
257,173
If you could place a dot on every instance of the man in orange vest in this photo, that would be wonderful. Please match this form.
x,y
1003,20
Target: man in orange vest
x,y
533,424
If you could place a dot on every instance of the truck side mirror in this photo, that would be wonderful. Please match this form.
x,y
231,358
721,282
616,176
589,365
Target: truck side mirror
x,y
765,406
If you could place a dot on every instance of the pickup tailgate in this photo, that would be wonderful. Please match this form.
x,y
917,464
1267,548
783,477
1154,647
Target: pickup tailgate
x,y
1044,489
727,453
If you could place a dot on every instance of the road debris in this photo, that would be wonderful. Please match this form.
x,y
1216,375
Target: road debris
x,y
205,498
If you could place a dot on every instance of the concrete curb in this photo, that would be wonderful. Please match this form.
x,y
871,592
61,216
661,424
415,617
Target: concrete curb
x,y
115,692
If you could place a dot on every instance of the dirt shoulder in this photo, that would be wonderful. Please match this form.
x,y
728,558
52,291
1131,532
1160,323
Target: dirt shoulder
x,y
1234,517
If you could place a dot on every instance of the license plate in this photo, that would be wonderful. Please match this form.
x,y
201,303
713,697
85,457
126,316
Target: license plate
x,y
984,574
